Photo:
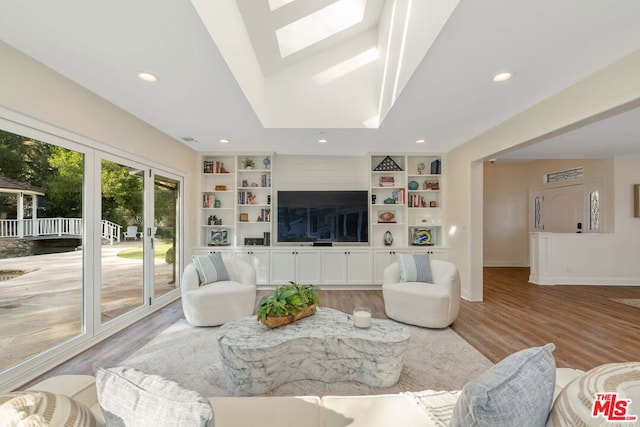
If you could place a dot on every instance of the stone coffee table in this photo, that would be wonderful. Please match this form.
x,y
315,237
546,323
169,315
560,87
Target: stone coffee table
x,y
325,347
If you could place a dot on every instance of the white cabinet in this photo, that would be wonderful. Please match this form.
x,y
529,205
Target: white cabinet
x,y
347,267
259,259
381,259
299,265
436,253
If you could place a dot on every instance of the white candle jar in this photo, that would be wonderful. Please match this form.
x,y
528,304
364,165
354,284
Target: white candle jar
x,y
362,317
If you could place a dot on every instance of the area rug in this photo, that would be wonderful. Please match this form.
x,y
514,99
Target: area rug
x,y
435,360
633,302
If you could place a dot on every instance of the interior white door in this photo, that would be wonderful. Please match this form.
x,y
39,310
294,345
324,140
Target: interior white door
x,y
562,209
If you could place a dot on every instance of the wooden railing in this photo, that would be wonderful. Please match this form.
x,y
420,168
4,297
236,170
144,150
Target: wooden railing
x,y
43,227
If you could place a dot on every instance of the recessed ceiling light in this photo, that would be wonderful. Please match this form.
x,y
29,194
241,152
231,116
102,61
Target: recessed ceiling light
x,y
322,141
224,141
420,141
147,77
501,77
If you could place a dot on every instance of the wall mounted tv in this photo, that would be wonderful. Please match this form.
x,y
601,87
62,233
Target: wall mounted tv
x,y
323,217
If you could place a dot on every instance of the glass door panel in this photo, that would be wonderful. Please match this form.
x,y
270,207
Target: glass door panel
x,y
166,192
122,263
41,241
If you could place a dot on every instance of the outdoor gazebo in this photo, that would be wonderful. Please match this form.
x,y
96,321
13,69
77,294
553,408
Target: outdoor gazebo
x,y
15,228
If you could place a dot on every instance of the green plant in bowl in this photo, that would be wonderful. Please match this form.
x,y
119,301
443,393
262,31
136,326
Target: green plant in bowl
x,y
287,300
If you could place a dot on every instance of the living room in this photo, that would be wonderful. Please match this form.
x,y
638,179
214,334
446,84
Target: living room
x,y
31,106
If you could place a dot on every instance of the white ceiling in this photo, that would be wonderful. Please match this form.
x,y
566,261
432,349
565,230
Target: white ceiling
x,y
448,99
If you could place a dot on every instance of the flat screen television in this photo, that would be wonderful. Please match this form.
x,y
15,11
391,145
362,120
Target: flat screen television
x,y
323,217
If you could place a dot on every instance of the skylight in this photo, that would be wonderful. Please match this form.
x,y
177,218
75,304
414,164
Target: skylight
x,y
275,4
347,66
319,25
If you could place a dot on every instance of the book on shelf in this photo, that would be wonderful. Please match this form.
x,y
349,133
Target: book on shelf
x,y
213,166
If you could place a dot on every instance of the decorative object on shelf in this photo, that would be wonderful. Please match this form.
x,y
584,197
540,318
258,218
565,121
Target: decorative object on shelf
x,y
268,199
219,238
436,167
387,216
217,203
244,217
386,181
248,163
245,183
388,238
389,201
266,162
373,199
214,220
287,304
220,188
222,169
267,238
433,204
413,185
421,237
362,317
420,168
431,184
388,164
253,241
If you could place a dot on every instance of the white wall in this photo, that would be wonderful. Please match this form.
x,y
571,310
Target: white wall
x,y
615,87
506,234
33,90
506,212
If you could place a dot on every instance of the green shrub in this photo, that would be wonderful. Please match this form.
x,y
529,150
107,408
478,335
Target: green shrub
x,y
287,299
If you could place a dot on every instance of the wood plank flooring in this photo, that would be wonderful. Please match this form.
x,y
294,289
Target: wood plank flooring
x,y
587,327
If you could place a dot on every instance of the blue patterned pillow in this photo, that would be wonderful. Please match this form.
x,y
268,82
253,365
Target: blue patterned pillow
x,y
210,268
517,391
414,268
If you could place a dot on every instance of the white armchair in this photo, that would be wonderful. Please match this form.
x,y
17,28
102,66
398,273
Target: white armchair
x,y
219,302
423,304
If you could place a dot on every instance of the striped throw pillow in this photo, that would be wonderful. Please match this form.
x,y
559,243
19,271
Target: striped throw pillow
x,y
210,268
41,408
414,268
575,403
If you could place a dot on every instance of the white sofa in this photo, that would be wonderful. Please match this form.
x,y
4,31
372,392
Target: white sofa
x,y
403,409
220,302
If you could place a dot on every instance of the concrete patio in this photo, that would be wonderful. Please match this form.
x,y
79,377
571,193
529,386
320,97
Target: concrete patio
x,y
43,307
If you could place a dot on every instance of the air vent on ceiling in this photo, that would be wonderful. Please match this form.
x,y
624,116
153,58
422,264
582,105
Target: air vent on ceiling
x,y
188,139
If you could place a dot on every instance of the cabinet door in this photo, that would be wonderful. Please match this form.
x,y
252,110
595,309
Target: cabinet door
x,y
308,267
381,259
283,266
360,271
433,253
259,259
334,267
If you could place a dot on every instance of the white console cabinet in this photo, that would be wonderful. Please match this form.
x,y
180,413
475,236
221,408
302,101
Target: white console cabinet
x,y
298,265
259,258
347,267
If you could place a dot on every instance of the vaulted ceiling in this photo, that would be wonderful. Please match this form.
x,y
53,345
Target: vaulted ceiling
x,y
402,70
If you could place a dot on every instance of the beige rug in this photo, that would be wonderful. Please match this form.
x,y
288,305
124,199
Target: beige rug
x,y
435,359
633,302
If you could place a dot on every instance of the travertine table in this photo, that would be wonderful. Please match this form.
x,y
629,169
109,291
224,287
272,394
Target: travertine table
x,y
325,347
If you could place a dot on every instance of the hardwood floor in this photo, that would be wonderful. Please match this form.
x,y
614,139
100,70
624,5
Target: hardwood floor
x,y
586,325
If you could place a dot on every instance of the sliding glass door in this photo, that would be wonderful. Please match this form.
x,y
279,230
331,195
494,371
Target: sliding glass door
x,y
122,264
164,234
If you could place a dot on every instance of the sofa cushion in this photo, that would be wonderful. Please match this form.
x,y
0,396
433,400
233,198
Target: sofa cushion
x,y
129,397
414,268
41,408
517,391
210,268
382,410
575,403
